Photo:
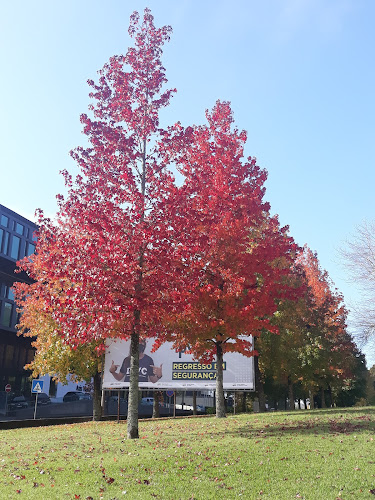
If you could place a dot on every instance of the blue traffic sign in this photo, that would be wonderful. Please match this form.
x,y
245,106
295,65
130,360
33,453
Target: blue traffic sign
x,y
37,386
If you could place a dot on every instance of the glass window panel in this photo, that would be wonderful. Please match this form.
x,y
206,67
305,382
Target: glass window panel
x,y
9,353
6,317
4,220
30,355
16,241
18,228
5,242
30,249
1,238
52,388
9,293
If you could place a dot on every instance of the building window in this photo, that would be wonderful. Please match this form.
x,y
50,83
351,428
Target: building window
x,y
29,356
6,317
4,220
30,249
52,388
18,228
21,358
2,350
4,241
9,293
15,250
9,354
30,233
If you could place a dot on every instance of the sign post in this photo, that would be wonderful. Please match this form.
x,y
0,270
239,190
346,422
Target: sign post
x,y
8,388
170,395
36,388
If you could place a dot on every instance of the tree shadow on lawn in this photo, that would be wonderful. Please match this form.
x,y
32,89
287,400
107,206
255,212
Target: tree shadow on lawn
x,y
370,410
318,422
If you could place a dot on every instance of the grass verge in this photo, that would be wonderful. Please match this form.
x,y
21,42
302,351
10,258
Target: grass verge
x,y
321,454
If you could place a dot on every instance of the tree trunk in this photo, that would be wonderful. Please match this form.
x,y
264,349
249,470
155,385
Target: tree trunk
x,y
134,338
259,386
133,388
330,396
311,398
323,403
244,408
155,407
97,410
290,395
220,406
194,402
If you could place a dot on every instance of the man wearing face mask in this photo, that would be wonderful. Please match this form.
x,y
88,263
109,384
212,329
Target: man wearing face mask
x,y
148,372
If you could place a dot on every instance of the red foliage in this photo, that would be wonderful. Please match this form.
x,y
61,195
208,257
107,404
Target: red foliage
x,y
234,256
107,256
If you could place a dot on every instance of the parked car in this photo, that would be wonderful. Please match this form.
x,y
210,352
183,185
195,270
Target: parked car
x,y
76,396
17,403
114,399
147,401
43,399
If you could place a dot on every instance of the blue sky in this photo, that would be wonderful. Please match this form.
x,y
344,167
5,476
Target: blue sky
x,y
299,74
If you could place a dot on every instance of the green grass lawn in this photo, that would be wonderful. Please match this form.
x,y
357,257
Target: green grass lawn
x,y
321,454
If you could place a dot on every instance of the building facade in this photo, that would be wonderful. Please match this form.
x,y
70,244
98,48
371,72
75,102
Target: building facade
x,y
16,241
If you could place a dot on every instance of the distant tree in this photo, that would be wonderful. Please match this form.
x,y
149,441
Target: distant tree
x,y
370,388
359,260
354,390
234,255
314,349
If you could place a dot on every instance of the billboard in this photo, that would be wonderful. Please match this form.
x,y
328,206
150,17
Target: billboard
x,y
167,369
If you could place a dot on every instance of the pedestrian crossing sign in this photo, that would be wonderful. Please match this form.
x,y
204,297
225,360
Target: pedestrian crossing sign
x,y
37,386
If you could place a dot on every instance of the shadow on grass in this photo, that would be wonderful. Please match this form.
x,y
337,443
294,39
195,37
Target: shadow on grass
x,y
330,422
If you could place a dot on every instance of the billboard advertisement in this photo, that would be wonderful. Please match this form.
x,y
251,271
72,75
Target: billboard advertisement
x,y
167,369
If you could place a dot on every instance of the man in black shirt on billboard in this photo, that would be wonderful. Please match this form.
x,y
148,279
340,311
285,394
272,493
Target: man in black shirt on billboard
x,y
148,372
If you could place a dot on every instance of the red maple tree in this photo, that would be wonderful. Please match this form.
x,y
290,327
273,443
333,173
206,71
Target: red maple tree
x,y
109,251
234,256
325,321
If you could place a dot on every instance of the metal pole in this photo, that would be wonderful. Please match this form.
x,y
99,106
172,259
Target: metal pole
x,y
36,402
102,399
118,406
